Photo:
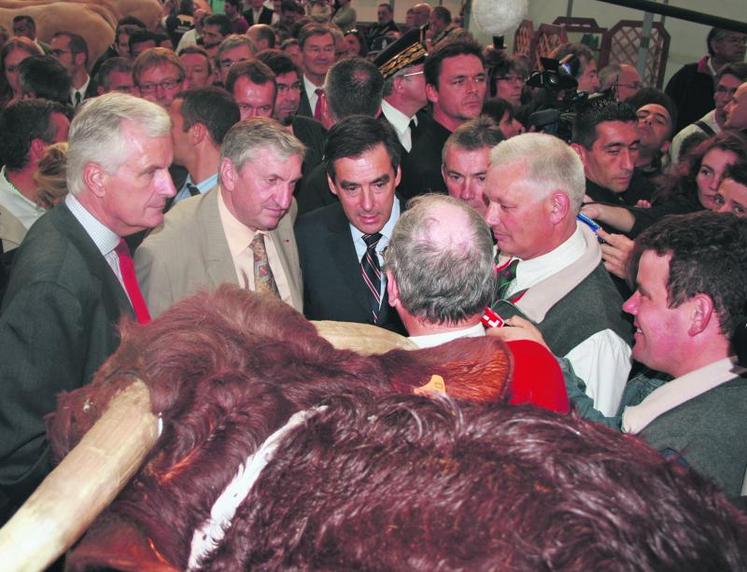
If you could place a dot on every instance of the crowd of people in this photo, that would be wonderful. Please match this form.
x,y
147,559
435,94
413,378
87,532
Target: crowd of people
x,y
398,175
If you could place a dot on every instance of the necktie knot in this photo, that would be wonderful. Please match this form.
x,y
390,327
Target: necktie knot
x,y
372,240
505,275
193,190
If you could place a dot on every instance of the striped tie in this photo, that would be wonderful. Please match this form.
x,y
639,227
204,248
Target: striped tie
x,y
371,272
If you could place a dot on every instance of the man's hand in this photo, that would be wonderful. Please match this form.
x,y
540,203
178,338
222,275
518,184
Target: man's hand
x,y
518,328
616,253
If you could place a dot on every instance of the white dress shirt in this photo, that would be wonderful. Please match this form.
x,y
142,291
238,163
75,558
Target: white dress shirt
x,y
400,122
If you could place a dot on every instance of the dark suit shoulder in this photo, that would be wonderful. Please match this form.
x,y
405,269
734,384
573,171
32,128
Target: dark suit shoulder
x,y
330,217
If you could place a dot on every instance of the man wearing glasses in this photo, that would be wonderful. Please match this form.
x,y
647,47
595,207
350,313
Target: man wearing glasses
x,y
159,75
233,50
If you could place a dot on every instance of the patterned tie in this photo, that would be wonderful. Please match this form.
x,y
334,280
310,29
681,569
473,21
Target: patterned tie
x,y
193,190
78,98
371,272
505,275
318,107
127,268
263,279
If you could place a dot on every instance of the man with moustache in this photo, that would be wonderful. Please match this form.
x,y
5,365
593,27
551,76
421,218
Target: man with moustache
x,y
340,245
456,84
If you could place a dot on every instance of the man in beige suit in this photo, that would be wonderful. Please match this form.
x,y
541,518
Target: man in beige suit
x,y
240,232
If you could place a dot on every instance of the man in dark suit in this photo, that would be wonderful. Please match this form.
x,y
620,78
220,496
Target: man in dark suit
x,y
72,280
257,13
318,54
340,245
71,50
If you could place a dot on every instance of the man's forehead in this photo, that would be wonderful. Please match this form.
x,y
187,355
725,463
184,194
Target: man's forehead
x,y
616,132
287,77
656,109
161,70
457,153
320,39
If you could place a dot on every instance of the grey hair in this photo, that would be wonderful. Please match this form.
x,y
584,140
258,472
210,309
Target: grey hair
x,y
234,41
549,161
247,137
96,133
444,276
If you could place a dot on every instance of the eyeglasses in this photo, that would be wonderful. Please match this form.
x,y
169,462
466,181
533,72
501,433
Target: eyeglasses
x,y
411,74
226,64
165,85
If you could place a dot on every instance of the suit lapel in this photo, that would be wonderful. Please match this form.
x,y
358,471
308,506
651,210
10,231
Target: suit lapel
x,y
216,254
305,107
343,252
115,299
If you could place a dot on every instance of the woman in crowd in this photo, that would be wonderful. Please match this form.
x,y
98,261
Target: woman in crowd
x,y
356,44
502,112
12,54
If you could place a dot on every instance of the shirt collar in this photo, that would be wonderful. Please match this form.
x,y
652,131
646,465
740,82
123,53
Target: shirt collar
x,y
399,120
203,186
430,340
238,235
105,239
386,231
530,272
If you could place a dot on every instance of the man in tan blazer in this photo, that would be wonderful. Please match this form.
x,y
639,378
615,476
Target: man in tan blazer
x,y
240,232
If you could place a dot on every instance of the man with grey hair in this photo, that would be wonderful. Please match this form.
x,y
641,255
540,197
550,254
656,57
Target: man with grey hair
x,y
240,232
440,271
73,277
623,78
550,268
233,50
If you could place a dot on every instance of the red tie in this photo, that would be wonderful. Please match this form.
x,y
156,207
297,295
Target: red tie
x,y
127,268
318,107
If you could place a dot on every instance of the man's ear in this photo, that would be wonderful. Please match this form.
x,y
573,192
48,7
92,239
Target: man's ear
x,y
665,147
37,149
559,205
392,289
331,183
431,93
80,59
580,151
94,178
702,312
197,133
228,174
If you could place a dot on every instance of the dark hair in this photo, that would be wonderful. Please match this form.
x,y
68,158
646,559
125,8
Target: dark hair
x,y
498,64
25,18
278,61
713,35
234,3
585,124
737,70
257,72
354,135
476,133
211,106
45,77
111,65
708,256
445,50
354,86
220,20
130,21
647,95
737,172
23,121
17,43
496,108
361,41
313,29
140,37
77,43
681,182
443,14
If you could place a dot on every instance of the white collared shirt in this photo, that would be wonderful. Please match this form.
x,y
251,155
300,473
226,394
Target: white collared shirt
x,y
431,340
82,90
400,122
310,89
26,211
601,360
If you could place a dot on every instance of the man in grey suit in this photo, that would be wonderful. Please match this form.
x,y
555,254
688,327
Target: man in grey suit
x,y
240,232
73,279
